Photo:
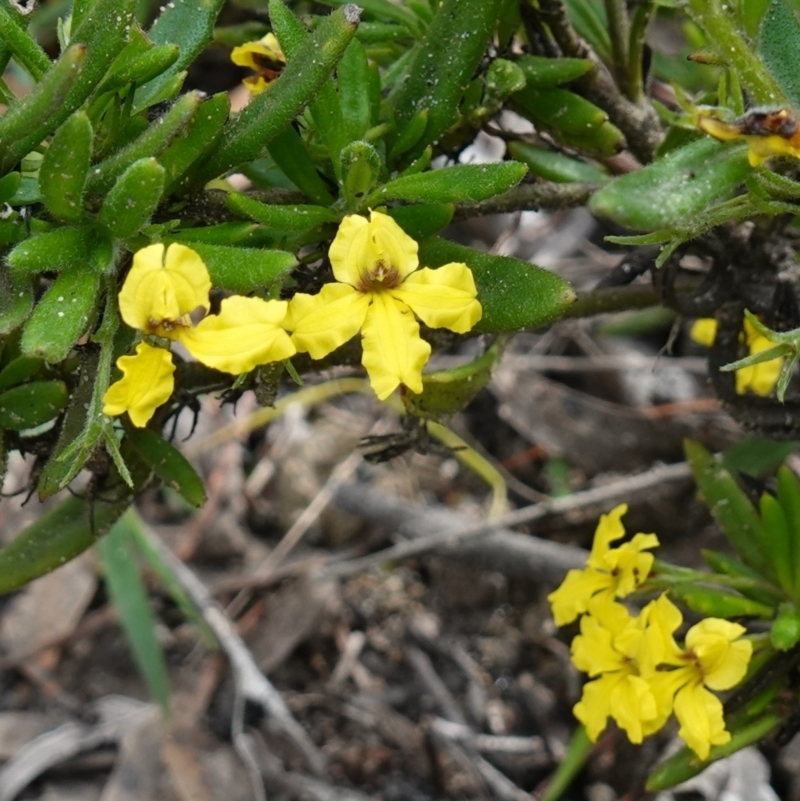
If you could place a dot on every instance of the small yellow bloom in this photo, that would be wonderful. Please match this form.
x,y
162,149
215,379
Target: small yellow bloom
x,y
758,378
767,133
379,290
714,657
265,57
147,383
616,572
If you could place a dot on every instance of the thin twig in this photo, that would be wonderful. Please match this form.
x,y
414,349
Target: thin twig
x,y
530,197
250,682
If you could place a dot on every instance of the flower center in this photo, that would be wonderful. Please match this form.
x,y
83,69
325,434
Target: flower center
x,y
379,275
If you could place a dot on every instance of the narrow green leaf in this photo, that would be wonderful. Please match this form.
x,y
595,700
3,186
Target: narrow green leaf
x,y
756,456
29,405
128,592
541,72
778,43
168,463
65,166
137,68
730,507
711,602
463,183
289,152
422,220
50,252
269,113
26,51
18,370
352,76
133,198
514,294
555,166
16,300
189,24
294,219
244,270
777,540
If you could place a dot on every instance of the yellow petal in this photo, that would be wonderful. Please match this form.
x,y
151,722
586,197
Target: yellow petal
x,y
609,528
721,654
442,298
365,253
704,331
321,323
247,332
572,597
247,55
394,353
147,383
634,708
759,378
593,649
594,707
718,129
163,288
700,715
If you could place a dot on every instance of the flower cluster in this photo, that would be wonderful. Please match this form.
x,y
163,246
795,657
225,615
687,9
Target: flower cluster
x,y
640,674
378,290
758,378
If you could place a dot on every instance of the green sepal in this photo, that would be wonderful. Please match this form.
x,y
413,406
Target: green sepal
x,y
56,537
353,80
675,190
187,24
446,392
9,184
65,167
155,139
719,603
543,73
51,251
31,118
133,198
361,167
63,315
16,300
685,764
244,270
20,369
444,64
555,166
269,113
513,294
228,233
168,463
136,67
778,43
777,540
289,152
423,220
462,183
200,136
730,507
291,219
29,405
571,119
785,631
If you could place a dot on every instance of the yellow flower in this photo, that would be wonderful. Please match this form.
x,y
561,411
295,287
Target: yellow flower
x,y
758,378
265,57
164,287
147,383
714,658
767,133
615,572
610,646
379,290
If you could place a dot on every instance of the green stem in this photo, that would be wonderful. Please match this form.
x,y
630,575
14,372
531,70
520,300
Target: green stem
x,y
619,30
603,301
25,51
639,21
720,26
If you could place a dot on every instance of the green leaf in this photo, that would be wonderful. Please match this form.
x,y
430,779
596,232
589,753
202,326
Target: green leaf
x,y
222,234
711,602
127,590
785,631
514,294
26,51
65,166
778,43
138,63
730,507
268,114
555,166
20,369
756,456
244,270
133,198
63,315
444,64
361,167
293,219
189,24
409,134
789,499
675,190
463,183
289,152
56,537
168,463
50,252
9,184
422,220
16,300
155,139
777,541
353,80
542,72
29,405
31,118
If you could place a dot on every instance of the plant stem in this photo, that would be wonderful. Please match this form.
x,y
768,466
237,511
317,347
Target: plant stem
x,y
639,21
617,299
619,30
